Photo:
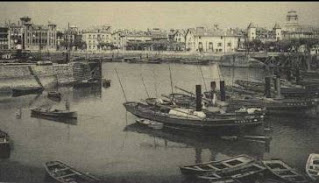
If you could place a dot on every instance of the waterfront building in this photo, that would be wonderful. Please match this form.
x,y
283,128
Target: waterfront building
x,y
202,39
177,39
15,35
98,39
136,40
4,38
116,39
251,32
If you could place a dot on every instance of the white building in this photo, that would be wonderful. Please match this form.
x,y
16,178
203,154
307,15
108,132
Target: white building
x,y
97,38
203,40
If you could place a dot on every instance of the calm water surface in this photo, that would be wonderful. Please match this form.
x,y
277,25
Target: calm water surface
x,y
106,143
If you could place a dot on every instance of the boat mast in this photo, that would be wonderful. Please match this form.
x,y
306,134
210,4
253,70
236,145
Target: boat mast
x,y
121,85
69,51
170,75
145,86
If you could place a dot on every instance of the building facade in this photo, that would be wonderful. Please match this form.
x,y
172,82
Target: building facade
x,y
203,40
97,39
4,38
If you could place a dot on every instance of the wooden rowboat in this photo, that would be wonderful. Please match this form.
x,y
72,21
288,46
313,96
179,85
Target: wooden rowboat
x,y
216,166
54,113
312,166
284,172
66,174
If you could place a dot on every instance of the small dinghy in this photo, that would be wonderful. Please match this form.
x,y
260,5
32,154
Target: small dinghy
x,y
216,166
66,174
244,171
151,124
57,113
284,172
312,166
54,94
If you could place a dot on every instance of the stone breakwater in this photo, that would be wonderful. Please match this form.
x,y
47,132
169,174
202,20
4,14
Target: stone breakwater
x,y
17,76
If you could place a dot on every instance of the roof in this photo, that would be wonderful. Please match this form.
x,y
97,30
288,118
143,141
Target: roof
x,y
251,25
277,26
214,33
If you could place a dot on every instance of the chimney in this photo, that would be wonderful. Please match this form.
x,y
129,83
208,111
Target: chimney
x,y
198,98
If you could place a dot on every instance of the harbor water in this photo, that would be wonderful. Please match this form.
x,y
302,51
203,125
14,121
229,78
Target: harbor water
x,y
106,143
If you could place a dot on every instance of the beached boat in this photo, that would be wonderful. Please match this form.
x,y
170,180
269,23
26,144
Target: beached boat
x,y
243,171
26,91
283,171
66,174
189,118
216,166
56,113
151,124
312,166
54,94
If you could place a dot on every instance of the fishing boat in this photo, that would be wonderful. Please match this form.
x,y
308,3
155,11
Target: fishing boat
x,y
26,91
243,171
312,166
149,123
196,62
54,94
240,61
56,113
189,118
283,171
66,174
4,139
216,166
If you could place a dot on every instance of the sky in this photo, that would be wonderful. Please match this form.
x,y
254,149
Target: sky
x,y
166,15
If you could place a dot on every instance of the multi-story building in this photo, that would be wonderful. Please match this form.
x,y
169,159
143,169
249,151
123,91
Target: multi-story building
x,y
116,39
136,40
177,39
39,37
4,38
204,40
98,38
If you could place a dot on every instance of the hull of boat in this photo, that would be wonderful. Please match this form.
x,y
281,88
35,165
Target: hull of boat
x,y
55,115
312,167
66,174
144,111
20,92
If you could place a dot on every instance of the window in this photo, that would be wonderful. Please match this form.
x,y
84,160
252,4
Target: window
x,y
219,44
90,36
200,37
229,44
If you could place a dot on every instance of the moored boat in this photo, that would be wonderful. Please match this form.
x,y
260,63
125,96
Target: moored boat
x,y
54,94
26,91
56,113
283,171
66,174
216,166
312,166
149,123
244,171
189,118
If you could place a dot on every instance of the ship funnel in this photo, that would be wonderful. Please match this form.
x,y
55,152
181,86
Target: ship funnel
x,y
198,98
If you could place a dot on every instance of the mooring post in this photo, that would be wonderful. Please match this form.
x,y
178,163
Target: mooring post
x,y
278,87
267,86
297,76
275,82
222,91
198,98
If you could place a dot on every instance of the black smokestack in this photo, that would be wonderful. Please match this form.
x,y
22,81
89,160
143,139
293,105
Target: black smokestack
x,y
222,91
198,98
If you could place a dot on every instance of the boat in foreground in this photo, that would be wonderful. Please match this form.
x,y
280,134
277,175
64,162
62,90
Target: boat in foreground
x,y
54,94
283,171
216,166
249,170
312,166
66,174
57,113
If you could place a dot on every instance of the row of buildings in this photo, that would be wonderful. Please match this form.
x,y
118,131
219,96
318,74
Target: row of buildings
x,y
28,36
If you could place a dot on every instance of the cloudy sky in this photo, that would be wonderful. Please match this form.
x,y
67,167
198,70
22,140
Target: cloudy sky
x,y
143,15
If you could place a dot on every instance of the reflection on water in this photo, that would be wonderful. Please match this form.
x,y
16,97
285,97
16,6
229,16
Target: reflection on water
x,y
98,144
